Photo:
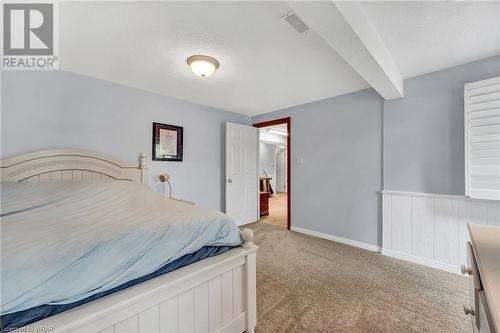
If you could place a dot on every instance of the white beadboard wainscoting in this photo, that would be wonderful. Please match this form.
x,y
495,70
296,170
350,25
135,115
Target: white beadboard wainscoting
x,y
431,229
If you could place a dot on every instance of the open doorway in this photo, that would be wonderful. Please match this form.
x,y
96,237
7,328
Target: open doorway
x,y
274,172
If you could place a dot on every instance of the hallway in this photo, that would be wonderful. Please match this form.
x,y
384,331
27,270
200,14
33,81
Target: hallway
x,y
277,210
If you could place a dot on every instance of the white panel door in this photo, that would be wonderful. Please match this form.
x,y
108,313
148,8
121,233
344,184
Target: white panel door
x,y
241,173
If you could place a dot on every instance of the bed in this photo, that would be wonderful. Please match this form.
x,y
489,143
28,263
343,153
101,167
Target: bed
x,y
208,283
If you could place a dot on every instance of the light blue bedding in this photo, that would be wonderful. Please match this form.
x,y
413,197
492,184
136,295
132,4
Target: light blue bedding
x,y
64,242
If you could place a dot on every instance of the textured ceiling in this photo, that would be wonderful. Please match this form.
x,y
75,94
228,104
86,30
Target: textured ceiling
x,y
265,64
427,36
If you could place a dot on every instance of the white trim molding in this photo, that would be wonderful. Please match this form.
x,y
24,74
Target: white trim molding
x,y
431,195
431,229
365,246
421,261
426,195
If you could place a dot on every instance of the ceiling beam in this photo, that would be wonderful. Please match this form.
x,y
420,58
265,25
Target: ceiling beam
x,y
347,28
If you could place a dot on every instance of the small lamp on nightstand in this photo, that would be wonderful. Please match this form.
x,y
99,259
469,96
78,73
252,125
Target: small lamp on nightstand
x,y
166,178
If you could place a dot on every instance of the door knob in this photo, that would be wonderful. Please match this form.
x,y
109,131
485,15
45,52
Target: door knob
x,y
466,270
229,180
468,309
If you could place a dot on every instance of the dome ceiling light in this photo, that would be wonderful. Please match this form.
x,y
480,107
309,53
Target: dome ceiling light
x,y
202,65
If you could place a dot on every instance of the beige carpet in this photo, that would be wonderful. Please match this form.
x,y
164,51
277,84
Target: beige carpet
x,y
277,210
307,284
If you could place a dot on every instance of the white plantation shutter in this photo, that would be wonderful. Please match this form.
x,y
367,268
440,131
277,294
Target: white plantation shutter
x,y
482,139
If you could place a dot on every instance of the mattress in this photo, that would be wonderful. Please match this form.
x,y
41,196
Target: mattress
x,y
15,320
63,243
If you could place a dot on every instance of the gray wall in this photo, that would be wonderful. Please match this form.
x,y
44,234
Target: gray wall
x,y
424,131
336,190
59,109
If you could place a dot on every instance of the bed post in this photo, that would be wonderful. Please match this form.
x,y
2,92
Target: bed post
x,y
251,292
143,166
251,281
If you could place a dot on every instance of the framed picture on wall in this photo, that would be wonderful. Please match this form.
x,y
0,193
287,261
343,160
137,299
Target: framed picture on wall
x,y
167,142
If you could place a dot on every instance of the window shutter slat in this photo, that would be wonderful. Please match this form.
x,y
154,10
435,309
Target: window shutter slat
x,y
484,114
484,106
489,97
484,121
482,139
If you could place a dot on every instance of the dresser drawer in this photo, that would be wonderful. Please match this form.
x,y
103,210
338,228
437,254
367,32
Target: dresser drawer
x,y
478,307
475,286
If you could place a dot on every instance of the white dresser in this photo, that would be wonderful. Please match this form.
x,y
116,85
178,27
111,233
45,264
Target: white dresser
x,y
484,267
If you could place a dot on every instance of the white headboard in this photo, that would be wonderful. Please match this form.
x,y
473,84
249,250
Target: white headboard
x,y
62,165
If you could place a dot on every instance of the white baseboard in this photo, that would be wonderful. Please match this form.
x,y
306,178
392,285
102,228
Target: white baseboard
x,y
421,261
365,246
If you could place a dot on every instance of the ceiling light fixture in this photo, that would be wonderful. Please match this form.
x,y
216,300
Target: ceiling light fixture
x,y
275,131
202,65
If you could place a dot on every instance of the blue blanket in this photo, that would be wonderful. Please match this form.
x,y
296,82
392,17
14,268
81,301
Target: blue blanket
x,y
62,243
15,320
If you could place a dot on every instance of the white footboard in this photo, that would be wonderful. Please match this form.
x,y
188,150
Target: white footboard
x,y
217,294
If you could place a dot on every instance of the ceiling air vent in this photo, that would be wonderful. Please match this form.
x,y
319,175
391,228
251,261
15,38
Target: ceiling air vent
x,y
295,22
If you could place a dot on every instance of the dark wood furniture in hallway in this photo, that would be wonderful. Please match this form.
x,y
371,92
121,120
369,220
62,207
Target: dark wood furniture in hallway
x,y
264,203
265,185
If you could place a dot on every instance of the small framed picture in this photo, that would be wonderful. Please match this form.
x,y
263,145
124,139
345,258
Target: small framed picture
x,y
167,142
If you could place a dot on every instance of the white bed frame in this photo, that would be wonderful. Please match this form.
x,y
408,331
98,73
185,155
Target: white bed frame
x,y
217,294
